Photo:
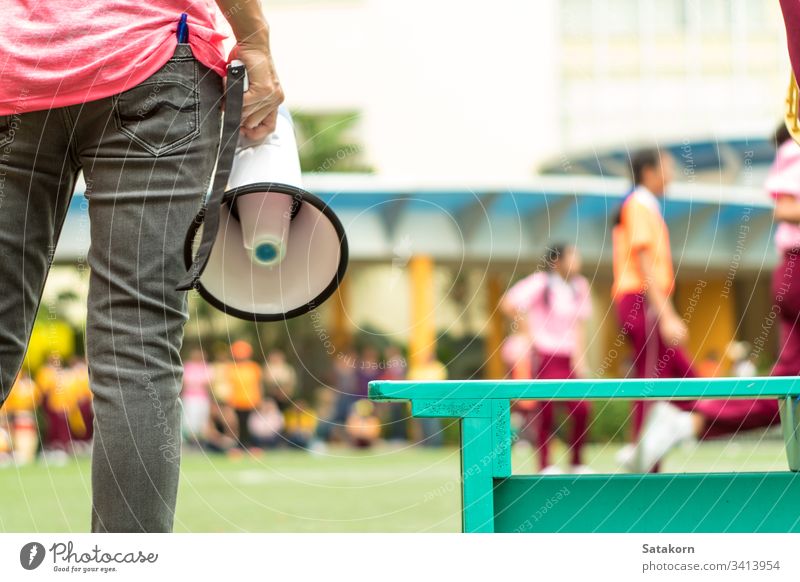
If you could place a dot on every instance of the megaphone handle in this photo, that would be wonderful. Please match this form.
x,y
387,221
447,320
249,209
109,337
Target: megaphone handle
x,y
245,81
234,96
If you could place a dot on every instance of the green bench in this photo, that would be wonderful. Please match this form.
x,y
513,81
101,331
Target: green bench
x,y
496,500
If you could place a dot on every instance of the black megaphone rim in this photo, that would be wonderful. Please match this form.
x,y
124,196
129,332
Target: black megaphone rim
x,y
301,196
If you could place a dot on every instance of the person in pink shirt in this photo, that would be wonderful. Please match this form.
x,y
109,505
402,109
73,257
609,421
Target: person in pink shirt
x,y
129,93
551,308
783,185
196,396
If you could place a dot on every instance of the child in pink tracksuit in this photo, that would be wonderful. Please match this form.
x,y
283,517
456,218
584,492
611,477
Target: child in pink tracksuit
x,y
551,308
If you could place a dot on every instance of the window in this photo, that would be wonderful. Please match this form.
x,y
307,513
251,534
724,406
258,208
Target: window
x,y
621,16
710,16
669,16
576,18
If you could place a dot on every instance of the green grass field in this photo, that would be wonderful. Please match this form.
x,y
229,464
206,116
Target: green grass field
x,y
384,490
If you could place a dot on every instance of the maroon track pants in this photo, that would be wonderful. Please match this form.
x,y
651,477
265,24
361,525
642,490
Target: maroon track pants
x,y
558,367
723,417
727,416
652,358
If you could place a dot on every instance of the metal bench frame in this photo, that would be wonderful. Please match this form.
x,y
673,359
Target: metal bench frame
x,y
494,500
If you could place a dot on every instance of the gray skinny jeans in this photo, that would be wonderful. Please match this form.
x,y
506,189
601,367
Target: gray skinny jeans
x,y
147,156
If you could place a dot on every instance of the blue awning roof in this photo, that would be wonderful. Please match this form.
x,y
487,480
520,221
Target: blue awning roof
x,y
507,221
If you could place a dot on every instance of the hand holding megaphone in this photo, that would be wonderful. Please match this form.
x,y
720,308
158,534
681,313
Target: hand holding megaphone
x,y
269,250
263,92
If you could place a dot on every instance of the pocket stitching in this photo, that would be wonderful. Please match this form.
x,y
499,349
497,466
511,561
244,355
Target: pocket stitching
x,y
8,139
165,148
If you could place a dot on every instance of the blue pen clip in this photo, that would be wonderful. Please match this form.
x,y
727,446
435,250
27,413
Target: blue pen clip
x,y
183,30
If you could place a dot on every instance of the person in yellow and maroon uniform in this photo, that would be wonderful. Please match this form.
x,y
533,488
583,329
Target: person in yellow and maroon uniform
x,y
244,378
670,424
644,280
20,407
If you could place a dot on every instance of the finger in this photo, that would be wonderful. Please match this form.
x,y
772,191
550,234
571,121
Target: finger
x,y
259,109
258,134
265,95
263,118
262,130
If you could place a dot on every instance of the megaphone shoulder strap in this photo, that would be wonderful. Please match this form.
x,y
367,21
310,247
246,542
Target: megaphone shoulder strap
x,y
209,215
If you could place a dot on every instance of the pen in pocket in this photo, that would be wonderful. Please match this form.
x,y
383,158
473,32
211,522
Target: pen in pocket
x,y
183,30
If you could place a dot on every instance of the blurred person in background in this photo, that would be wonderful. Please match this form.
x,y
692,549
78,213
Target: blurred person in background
x,y
363,425
644,282
56,405
552,308
222,428
367,370
67,407
196,396
396,413
428,369
20,408
345,387
516,353
6,448
220,373
280,379
265,424
120,90
81,386
244,378
300,424
670,425
783,185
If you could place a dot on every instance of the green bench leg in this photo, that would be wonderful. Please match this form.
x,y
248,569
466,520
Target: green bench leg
x,y
501,434
477,502
790,423
485,455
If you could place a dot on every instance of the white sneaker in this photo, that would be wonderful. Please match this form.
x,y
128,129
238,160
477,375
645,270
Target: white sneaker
x,y
667,426
624,456
551,470
582,470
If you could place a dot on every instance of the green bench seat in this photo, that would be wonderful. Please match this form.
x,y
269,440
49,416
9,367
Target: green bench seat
x,y
495,500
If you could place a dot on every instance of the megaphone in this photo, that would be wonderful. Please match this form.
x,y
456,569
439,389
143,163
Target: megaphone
x,y
277,251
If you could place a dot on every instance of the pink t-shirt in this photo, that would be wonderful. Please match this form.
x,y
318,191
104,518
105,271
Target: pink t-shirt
x,y
196,379
784,178
56,53
555,308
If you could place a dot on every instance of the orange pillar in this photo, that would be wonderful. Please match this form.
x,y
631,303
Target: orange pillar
x,y
422,331
708,307
495,368
341,331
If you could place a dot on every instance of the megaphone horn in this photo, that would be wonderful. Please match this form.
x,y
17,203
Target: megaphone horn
x,y
264,249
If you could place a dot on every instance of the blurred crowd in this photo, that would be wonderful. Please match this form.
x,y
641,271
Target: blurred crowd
x,y
232,402
50,412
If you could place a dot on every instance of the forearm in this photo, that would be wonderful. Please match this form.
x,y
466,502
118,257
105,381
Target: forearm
x,y
247,21
787,209
656,296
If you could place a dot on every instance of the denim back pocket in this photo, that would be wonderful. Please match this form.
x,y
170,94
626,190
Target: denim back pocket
x,y
8,127
162,113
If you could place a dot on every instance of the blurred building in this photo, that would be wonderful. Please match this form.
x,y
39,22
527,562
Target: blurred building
x,y
494,89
